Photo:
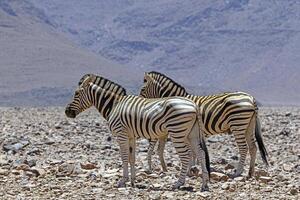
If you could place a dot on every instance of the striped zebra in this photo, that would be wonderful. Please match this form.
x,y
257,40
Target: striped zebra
x,y
234,112
132,117
119,90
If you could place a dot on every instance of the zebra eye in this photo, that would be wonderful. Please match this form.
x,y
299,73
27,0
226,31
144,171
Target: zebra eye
x,y
145,80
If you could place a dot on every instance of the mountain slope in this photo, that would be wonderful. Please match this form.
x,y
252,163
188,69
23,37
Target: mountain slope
x,y
248,45
40,66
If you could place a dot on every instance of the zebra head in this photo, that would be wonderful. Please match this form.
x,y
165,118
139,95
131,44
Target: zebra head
x,y
81,100
158,85
151,87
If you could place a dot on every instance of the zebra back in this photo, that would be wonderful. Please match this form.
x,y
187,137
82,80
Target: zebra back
x,y
103,83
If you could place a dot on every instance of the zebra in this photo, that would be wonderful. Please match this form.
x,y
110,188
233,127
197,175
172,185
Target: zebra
x,y
131,117
119,90
232,112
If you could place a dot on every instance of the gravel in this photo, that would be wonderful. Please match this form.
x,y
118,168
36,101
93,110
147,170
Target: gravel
x,y
44,155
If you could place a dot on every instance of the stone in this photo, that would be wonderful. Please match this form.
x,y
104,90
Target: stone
x,y
225,186
288,114
29,174
294,191
203,194
218,176
155,195
16,146
215,138
168,195
229,166
239,179
4,172
3,160
265,179
287,168
157,185
22,167
88,166
30,163
260,173
37,171
110,195
15,172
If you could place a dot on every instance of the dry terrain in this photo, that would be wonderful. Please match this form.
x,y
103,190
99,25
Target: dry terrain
x,y
45,155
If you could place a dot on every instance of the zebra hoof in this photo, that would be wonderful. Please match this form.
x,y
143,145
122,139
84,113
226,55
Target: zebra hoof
x,y
236,174
204,188
121,183
177,185
132,184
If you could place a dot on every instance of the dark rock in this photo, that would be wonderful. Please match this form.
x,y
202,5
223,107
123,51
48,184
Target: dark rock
x,y
106,147
288,114
294,191
108,139
234,157
30,163
285,131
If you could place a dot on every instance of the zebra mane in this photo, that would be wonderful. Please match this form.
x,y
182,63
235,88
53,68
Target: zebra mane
x,y
168,78
104,83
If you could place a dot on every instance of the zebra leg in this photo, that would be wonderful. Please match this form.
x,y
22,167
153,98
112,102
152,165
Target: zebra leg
x,y
252,146
193,169
240,139
199,152
161,147
132,147
198,147
152,144
124,146
184,154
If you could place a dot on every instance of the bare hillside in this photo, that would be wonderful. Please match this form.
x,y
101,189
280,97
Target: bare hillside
x,y
39,66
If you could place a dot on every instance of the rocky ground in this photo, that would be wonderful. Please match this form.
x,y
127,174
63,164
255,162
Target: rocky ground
x,y
45,155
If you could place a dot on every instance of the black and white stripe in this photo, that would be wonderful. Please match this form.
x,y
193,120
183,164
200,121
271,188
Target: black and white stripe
x,y
131,117
119,90
234,112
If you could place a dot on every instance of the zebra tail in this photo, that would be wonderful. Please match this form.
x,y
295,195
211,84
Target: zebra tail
x,y
207,161
259,140
202,142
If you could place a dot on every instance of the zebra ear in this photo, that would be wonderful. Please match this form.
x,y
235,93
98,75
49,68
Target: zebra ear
x,y
87,79
147,77
83,79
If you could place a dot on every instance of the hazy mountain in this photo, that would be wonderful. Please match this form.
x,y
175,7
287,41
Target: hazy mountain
x,y
207,46
40,66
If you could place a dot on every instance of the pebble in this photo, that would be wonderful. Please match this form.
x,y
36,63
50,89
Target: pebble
x,y
218,176
3,160
287,167
229,166
294,191
88,166
225,186
265,179
239,179
16,147
203,194
4,172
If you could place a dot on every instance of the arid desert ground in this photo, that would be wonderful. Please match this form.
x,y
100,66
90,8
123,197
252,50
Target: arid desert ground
x,y
44,155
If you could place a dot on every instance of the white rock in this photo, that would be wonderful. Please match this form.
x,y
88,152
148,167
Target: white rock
x,y
225,186
203,194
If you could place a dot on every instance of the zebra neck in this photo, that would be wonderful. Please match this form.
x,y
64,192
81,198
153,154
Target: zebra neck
x,y
104,100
